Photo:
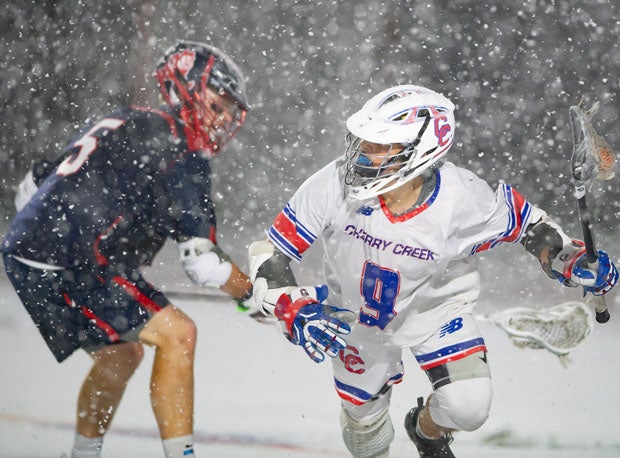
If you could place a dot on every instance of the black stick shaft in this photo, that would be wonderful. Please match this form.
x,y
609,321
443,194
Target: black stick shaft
x,y
600,306
588,240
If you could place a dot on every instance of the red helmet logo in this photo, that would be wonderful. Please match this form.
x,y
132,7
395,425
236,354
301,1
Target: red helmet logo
x,y
182,61
442,130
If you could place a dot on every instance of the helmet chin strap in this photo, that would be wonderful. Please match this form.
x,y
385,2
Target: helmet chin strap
x,y
416,142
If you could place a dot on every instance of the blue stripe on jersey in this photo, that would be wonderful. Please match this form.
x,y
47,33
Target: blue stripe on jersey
x,y
512,215
451,349
357,393
302,230
513,221
283,244
359,396
433,196
525,215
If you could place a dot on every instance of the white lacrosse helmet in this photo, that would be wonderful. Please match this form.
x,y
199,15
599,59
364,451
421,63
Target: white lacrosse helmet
x,y
419,119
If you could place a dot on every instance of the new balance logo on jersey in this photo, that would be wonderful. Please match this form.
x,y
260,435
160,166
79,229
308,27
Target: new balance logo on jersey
x,y
451,327
364,210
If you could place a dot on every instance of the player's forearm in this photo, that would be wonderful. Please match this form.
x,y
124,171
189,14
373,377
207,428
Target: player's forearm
x,y
238,285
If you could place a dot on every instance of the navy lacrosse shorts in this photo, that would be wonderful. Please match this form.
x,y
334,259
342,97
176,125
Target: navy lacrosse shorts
x,y
85,310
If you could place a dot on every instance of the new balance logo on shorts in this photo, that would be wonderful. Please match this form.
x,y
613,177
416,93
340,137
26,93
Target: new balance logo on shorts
x,y
451,327
364,210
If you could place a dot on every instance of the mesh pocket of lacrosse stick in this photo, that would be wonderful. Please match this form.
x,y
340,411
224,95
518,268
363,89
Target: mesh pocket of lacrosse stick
x,y
592,153
558,329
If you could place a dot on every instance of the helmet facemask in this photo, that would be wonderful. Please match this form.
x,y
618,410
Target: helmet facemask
x,y
361,170
217,116
208,90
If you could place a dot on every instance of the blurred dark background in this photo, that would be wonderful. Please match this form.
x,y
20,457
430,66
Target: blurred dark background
x,y
512,69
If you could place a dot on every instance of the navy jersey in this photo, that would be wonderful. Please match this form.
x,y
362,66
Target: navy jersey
x,y
126,183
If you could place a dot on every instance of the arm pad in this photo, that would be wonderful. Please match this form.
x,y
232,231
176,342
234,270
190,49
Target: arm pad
x,y
545,240
270,274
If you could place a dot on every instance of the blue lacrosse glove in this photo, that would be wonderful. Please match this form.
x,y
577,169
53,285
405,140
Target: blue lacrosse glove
x,y
597,279
314,326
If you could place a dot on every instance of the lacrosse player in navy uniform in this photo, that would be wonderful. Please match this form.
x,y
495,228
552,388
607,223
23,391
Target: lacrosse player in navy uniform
x,y
125,184
401,227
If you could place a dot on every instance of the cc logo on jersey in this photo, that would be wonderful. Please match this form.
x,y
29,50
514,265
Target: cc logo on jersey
x,y
442,130
352,362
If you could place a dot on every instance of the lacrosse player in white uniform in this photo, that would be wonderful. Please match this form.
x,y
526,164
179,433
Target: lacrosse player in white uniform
x,y
400,227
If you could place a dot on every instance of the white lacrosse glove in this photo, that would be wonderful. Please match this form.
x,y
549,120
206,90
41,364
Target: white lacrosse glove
x,y
265,298
203,264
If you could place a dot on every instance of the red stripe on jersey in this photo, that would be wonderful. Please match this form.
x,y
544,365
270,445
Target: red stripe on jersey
x,y
347,397
417,210
404,216
483,247
212,235
101,259
518,203
518,210
453,357
109,330
287,229
67,299
138,295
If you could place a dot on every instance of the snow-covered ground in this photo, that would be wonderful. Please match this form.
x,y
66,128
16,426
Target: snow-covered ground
x,y
259,396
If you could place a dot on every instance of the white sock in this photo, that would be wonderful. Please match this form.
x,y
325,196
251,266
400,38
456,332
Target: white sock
x,y
86,447
179,447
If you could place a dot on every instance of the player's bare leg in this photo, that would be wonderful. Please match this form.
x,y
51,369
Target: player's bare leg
x,y
104,386
172,379
100,395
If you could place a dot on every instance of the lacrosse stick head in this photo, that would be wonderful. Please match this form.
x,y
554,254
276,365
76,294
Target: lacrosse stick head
x,y
592,156
559,329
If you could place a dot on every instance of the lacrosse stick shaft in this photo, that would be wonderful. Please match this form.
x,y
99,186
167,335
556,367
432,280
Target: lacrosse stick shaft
x,y
588,240
584,147
598,302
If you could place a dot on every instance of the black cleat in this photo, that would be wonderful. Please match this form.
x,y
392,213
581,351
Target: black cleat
x,y
437,448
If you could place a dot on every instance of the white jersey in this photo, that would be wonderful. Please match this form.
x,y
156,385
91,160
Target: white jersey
x,y
390,269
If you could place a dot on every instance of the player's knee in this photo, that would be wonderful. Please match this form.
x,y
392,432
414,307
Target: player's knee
x,y
134,355
171,329
117,363
369,436
462,405
129,353
185,333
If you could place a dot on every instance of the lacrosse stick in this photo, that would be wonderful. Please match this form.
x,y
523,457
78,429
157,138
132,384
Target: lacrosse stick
x,y
592,158
559,329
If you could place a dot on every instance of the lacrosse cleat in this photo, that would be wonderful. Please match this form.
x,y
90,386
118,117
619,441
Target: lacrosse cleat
x,y
431,448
